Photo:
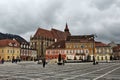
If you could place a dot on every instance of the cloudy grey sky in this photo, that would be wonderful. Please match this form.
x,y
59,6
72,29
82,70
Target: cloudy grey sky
x,y
100,17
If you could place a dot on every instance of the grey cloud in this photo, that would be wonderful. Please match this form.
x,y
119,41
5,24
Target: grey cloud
x,y
23,17
103,4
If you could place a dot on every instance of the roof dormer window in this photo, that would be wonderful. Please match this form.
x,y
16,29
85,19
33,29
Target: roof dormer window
x,y
10,44
58,46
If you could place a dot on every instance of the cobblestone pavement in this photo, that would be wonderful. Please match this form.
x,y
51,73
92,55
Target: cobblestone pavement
x,y
69,71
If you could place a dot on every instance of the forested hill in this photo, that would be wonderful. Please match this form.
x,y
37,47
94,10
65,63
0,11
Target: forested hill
x,y
12,36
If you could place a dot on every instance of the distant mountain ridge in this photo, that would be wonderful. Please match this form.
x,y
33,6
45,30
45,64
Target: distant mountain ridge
x,y
12,36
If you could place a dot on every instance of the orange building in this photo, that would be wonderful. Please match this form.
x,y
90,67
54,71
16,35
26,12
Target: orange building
x,y
9,49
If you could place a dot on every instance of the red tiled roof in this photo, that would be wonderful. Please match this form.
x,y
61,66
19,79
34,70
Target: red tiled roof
x,y
100,44
43,32
53,33
58,34
80,38
116,48
58,45
9,42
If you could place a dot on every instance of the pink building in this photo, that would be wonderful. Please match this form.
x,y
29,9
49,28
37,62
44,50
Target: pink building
x,y
54,50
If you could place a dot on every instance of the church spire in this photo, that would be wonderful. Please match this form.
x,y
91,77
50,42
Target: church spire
x,y
66,28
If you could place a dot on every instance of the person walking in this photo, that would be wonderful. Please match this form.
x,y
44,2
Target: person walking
x,y
2,60
63,61
44,62
13,60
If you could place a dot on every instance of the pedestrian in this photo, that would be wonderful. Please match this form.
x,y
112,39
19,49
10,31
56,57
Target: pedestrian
x,y
63,61
16,61
19,60
13,60
2,60
44,62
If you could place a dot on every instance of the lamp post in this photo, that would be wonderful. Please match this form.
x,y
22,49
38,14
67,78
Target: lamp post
x,y
93,37
42,55
82,52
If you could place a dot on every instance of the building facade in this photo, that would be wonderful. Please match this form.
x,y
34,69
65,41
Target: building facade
x,y
103,51
80,47
53,51
73,48
27,53
44,38
9,49
116,52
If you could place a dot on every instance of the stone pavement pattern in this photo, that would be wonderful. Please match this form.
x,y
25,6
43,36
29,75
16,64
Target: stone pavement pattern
x,y
69,71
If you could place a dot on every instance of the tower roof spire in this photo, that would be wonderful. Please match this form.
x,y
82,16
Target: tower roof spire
x,y
66,28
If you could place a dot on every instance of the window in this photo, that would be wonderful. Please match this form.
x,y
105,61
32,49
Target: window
x,y
2,51
82,46
13,51
8,51
76,46
66,51
71,51
58,46
77,51
53,46
48,52
81,51
99,50
47,43
67,46
53,52
8,57
17,51
105,57
92,46
70,46
87,51
102,58
98,58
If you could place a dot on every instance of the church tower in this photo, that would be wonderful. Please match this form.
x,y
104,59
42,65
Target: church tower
x,y
66,30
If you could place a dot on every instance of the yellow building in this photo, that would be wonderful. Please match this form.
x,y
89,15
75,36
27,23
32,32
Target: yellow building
x,y
103,51
80,47
9,49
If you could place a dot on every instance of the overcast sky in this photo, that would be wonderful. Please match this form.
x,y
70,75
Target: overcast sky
x,y
100,17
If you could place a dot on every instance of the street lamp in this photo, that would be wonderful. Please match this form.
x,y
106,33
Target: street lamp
x,y
82,52
93,37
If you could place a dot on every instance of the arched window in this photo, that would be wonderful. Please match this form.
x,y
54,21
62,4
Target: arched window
x,y
102,58
8,57
105,57
98,58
